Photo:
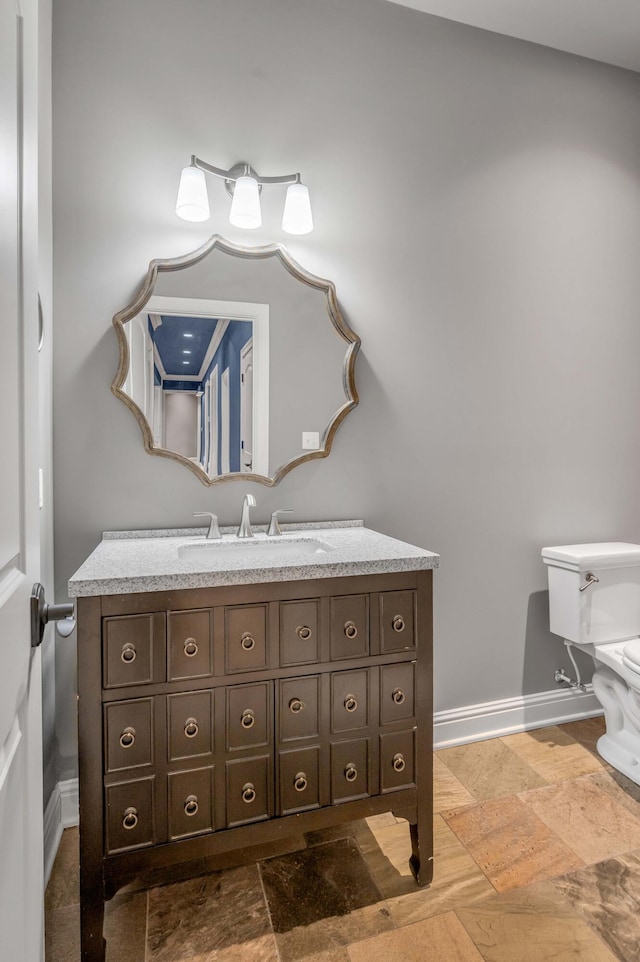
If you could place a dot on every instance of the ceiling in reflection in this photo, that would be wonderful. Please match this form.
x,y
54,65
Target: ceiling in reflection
x,y
182,342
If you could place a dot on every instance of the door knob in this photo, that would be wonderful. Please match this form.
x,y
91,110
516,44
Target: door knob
x,y
42,614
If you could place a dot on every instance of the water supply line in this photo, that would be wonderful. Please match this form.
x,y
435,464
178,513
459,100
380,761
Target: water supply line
x,y
561,676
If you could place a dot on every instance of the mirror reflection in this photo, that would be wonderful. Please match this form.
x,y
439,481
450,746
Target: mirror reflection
x,y
236,362
199,372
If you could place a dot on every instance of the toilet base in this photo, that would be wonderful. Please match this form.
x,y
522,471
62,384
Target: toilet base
x,y
620,745
622,751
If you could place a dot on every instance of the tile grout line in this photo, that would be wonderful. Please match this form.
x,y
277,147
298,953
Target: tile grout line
x,y
146,928
268,907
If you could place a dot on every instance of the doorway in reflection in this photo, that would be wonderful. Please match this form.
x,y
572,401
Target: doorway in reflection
x,y
194,376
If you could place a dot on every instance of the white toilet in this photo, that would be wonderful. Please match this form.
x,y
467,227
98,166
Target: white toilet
x,y
594,604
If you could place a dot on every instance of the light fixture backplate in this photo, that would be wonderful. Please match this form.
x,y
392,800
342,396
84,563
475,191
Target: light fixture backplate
x,y
237,171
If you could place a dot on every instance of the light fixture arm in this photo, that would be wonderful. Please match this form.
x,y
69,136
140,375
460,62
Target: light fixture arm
x,y
239,170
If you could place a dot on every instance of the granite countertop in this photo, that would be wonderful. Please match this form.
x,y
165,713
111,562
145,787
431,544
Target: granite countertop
x,y
126,562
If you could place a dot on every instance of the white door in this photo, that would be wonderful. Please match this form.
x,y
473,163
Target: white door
x,y
21,868
246,407
225,435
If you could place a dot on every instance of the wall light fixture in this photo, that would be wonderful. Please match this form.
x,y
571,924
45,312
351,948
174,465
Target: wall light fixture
x,y
244,185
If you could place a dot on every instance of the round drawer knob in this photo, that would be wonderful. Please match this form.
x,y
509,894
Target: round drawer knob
x,y
398,623
248,793
295,705
130,819
191,648
351,772
248,641
351,703
398,696
350,629
128,653
398,762
127,738
248,719
303,632
300,782
191,728
191,805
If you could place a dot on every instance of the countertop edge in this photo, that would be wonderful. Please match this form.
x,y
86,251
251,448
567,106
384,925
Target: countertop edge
x,y
213,579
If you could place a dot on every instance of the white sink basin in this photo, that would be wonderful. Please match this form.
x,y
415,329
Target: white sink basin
x,y
252,551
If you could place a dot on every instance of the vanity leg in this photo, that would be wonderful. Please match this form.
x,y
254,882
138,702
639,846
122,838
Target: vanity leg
x,y
421,865
92,942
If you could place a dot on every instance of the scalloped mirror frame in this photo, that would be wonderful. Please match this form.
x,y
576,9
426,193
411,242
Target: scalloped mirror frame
x,y
218,242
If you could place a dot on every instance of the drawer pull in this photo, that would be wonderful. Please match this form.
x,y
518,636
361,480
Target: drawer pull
x,y
300,782
398,623
398,696
248,641
303,632
127,738
248,719
130,819
350,629
191,728
191,805
351,772
248,793
295,705
351,703
191,648
128,653
398,762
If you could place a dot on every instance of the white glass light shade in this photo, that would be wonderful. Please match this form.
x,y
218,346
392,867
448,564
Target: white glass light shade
x,y
297,218
193,202
245,206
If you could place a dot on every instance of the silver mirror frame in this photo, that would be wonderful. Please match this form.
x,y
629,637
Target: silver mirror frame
x,y
218,242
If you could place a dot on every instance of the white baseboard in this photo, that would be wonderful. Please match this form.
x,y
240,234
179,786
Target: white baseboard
x,y
494,718
61,812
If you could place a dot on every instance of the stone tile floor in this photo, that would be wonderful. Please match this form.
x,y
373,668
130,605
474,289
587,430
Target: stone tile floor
x,y
537,858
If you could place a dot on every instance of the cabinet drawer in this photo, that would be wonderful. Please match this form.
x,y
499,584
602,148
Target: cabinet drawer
x,y
190,724
397,620
130,815
189,641
349,770
397,761
349,627
299,700
191,803
349,700
128,734
248,715
249,790
397,697
299,780
246,638
129,649
299,632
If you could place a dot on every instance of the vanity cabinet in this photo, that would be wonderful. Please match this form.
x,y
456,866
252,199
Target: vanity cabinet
x,y
213,719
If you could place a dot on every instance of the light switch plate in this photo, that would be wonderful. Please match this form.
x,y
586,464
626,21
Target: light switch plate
x,y
310,440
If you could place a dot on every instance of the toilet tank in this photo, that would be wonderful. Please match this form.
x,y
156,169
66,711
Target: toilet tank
x,y
609,609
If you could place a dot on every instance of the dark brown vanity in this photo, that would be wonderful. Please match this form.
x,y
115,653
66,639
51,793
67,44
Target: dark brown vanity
x,y
213,719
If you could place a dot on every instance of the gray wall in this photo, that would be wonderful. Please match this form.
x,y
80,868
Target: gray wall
x,y
477,204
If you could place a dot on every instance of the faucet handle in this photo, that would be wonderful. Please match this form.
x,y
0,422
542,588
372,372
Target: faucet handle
x,y
213,534
274,527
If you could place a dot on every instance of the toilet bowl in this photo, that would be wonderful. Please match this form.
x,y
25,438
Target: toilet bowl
x,y
594,604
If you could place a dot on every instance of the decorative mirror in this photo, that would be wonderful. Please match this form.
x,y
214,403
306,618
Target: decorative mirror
x,y
233,361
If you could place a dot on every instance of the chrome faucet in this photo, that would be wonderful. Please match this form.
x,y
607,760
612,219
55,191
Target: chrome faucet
x,y
213,534
244,531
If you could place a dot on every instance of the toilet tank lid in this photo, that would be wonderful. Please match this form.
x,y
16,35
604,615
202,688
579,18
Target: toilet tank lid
x,y
581,557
